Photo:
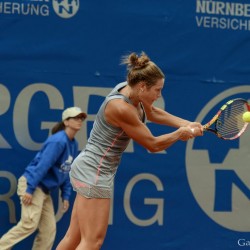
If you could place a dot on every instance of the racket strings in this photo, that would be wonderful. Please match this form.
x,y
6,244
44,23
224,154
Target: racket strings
x,y
230,122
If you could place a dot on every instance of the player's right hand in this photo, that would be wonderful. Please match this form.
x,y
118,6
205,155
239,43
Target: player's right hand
x,y
185,133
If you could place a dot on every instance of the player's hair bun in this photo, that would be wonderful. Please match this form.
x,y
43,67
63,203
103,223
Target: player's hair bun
x,y
134,61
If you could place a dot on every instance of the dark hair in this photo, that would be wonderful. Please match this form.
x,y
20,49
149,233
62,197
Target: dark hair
x,y
140,68
58,127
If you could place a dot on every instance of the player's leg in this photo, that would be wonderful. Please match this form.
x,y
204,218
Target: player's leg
x,y
72,237
93,215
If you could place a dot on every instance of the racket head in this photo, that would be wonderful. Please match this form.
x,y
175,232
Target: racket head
x,y
228,121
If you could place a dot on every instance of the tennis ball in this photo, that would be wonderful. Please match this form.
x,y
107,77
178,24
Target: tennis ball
x,y
246,116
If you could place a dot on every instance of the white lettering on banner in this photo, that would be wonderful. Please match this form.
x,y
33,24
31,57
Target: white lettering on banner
x,y
5,104
222,187
222,15
222,8
7,196
222,23
20,119
159,203
81,96
63,8
18,8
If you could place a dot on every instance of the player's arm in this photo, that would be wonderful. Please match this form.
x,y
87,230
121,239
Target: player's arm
x,y
161,116
121,114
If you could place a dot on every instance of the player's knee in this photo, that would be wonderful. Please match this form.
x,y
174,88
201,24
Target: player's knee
x,y
97,242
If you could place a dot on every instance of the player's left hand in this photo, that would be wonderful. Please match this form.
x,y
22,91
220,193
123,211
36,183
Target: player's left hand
x,y
196,127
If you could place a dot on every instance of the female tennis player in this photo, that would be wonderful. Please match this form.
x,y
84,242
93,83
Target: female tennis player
x,y
120,118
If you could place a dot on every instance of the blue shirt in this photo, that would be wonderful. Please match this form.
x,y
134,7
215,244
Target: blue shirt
x,y
51,165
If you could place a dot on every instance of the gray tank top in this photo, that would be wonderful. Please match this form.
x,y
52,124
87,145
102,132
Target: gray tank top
x,y
97,164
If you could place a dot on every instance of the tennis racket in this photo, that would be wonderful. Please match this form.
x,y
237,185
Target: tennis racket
x,y
228,124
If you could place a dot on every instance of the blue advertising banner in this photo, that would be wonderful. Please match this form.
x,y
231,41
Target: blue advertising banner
x,y
60,53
